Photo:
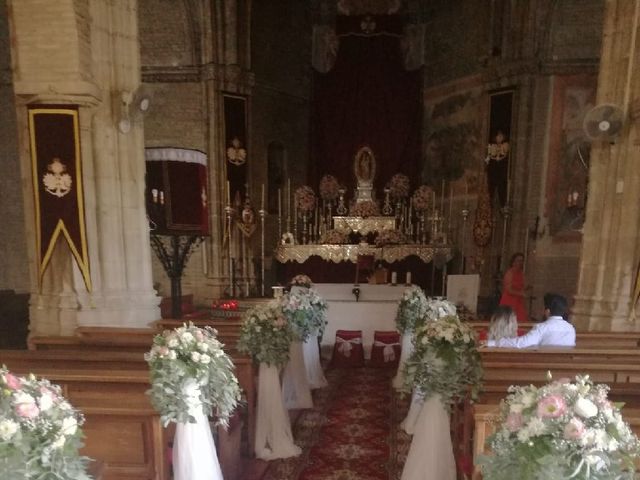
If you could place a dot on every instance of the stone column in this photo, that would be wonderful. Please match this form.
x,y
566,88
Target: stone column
x,y
610,249
85,53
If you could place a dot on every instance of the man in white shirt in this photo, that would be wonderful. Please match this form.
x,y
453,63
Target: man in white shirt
x,y
555,331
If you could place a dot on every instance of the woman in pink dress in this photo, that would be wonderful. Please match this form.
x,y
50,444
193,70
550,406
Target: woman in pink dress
x,y
513,287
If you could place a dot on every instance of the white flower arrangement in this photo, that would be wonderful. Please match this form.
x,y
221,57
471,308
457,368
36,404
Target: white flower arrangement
x,y
438,307
445,360
40,432
191,354
412,309
565,429
266,334
305,311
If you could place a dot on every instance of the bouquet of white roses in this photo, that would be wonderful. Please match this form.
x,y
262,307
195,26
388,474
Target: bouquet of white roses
x,y
319,307
445,360
411,309
39,431
438,307
191,354
266,334
565,429
298,312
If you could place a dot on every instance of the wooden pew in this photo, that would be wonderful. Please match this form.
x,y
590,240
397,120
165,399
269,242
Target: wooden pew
x,y
122,429
125,348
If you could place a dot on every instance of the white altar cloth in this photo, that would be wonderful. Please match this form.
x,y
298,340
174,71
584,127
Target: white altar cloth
x,y
376,310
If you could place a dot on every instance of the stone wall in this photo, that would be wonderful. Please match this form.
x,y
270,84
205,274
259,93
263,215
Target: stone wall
x,y
14,270
530,46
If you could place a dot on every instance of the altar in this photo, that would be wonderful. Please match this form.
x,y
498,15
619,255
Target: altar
x,y
375,310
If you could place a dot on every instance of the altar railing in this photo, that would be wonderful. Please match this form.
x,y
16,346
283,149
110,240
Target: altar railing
x,y
349,253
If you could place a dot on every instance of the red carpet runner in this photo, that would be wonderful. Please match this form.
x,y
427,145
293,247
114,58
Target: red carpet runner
x,y
351,434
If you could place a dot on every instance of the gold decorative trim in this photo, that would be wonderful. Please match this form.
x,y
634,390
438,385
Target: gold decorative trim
x,y
362,225
349,253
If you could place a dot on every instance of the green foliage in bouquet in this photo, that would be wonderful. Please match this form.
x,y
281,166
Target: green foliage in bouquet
x,y
40,432
266,334
565,430
189,362
412,309
445,361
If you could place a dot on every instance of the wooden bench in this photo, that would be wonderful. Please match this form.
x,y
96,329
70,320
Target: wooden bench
x,y
122,429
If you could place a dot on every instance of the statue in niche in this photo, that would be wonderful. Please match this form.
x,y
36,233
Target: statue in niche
x,y
364,167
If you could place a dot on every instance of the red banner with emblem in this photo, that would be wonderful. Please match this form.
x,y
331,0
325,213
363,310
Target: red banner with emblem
x,y
56,163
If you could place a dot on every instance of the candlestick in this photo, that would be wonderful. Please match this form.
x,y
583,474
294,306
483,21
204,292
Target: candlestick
x,y
263,214
450,206
295,220
316,231
288,205
466,194
433,195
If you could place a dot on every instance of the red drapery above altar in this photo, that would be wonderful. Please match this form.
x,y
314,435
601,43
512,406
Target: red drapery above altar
x,y
367,98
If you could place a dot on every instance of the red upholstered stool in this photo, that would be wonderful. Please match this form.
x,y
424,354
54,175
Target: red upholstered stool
x,y
386,349
348,351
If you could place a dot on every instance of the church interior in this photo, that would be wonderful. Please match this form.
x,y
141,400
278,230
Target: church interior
x,y
170,161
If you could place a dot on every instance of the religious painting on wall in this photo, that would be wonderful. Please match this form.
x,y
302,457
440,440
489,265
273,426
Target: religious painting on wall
x,y
236,141
56,167
569,152
453,142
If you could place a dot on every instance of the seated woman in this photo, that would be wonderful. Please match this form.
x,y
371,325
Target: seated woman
x,y
503,324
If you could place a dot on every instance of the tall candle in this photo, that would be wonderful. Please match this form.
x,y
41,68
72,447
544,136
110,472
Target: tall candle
x,y
228,193
450,204
434,200
394,278
408,280
279,203
466,194
262,198
288,198
442,198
